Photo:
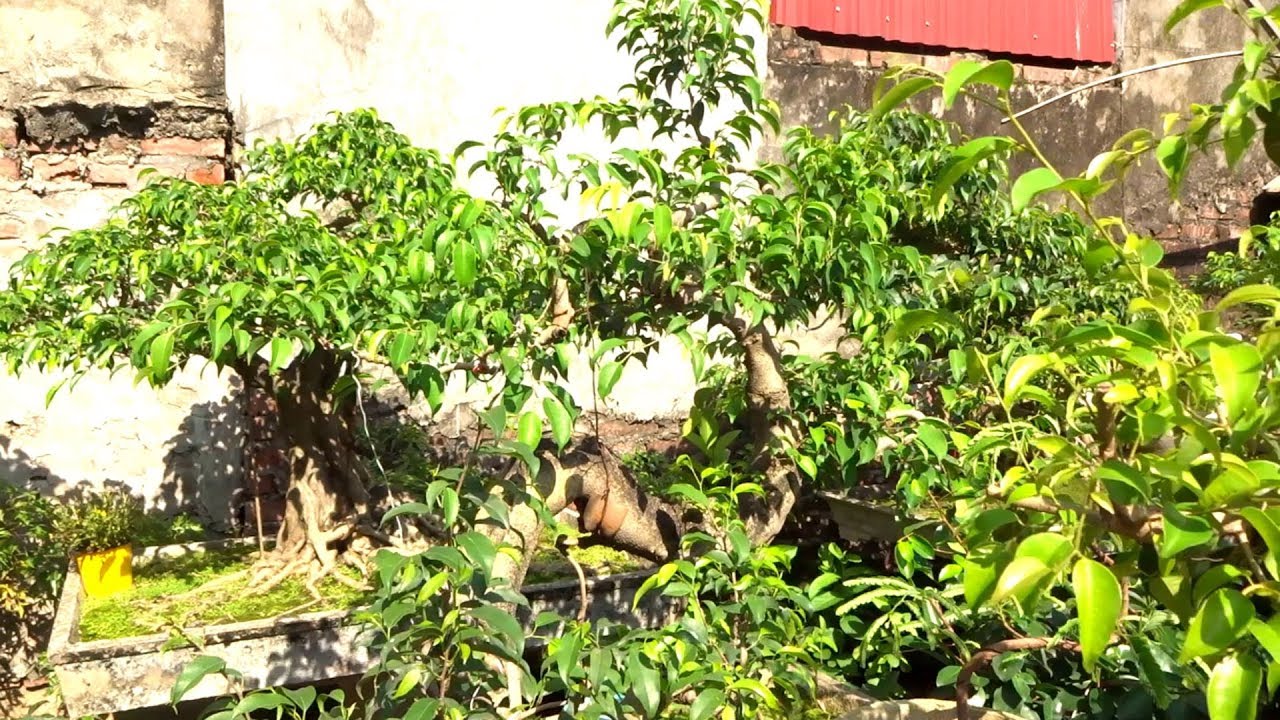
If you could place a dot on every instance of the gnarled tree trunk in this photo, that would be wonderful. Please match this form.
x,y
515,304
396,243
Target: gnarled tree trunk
x,y
326,515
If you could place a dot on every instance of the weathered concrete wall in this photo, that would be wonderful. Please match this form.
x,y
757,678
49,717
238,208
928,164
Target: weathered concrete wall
x,y
125,52
813,74
92,92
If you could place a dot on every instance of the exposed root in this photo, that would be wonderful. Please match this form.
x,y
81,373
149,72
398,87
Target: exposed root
x,y
214,584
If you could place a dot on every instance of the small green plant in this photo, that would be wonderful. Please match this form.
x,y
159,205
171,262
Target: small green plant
x,y
98,521
32,556
158,529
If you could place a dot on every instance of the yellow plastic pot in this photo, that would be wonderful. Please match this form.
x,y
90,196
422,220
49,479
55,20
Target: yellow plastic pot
x,y
106,572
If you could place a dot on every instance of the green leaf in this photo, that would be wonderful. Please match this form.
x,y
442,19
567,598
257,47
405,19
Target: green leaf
x,y
401,348
1214,578
423,709
193,673
933,439
1118,475
530,429
1220,621
502,623
913,322
1151,672
1050,548
662,224
1172,154
1263,294
1234,684
1270,533
644,684
410,680
981,571
899,94
1232,484
1184,10
1238,371
464,262
281,350
561,421
706,704
963,160
261,700
969,72
160,352
1033,183
1019,578
1267,635
1099,601
608,376
478,548
409,508
807,464
1022,371
1182,532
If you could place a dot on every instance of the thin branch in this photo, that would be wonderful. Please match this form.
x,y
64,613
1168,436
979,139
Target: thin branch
x,y
983,657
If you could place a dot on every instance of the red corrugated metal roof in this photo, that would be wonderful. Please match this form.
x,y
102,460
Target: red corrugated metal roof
x,y
1079,30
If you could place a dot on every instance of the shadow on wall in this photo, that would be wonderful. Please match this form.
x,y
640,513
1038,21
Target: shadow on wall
x,y
197,469
204,463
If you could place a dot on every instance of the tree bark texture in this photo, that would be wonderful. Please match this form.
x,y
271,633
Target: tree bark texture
x,y
326,516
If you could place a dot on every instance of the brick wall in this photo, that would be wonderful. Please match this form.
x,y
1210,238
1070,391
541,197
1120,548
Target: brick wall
x,y
66,166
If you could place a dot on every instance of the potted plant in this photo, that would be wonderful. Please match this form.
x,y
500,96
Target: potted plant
x,y
98,529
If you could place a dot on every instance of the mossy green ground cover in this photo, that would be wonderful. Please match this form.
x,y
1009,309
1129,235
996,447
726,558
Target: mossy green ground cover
x,y
167,594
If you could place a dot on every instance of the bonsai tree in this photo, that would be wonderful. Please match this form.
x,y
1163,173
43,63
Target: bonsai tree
x,y
352,246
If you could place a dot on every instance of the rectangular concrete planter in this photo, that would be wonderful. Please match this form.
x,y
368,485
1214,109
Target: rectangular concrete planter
x,y
107,676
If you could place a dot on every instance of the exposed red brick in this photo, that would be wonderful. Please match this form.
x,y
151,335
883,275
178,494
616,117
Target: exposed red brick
x,y
165,165
8,132
835,55
1199,231
55,167
10,228
184,146
9,168
115,144
110,171
207,174
940,63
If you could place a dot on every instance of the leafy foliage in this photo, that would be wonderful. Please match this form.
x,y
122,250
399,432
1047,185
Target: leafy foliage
x,y
32,557
1124,475
96,521
1084,457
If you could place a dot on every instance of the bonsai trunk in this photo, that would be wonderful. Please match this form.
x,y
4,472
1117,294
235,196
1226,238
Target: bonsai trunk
x,y
326,515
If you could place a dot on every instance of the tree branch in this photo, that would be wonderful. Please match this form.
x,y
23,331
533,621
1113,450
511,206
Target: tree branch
x,y
983,657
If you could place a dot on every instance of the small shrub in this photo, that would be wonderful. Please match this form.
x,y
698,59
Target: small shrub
x,y
32,557
157,529
98,521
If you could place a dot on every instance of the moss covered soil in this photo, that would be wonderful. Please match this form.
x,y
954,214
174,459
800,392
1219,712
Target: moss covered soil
x,y
181,592
169,594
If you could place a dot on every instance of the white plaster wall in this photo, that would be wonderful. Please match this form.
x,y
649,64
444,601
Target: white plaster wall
x,y
438,71
179,447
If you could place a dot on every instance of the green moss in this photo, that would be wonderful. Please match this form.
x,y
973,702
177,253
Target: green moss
x,y
168,594
548,564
